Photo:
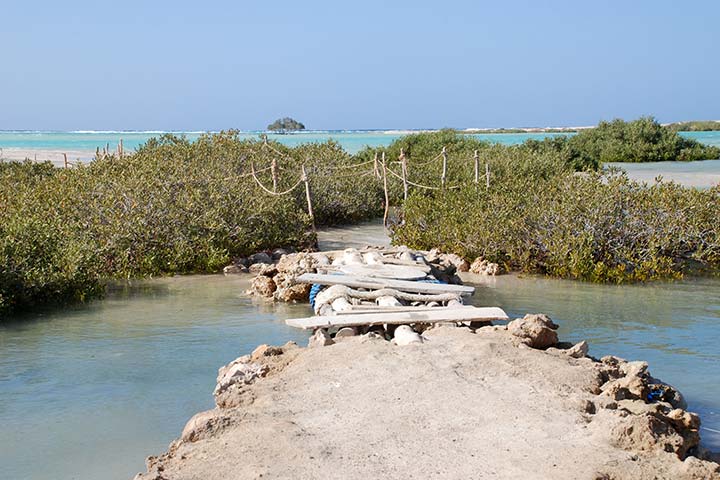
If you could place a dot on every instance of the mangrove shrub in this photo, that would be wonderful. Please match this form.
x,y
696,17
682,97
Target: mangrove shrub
x,y
642,140
592,226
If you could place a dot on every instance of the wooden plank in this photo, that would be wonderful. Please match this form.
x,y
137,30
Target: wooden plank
x,y
398,272
378,283
479,314
336,253
407,263
365,309
396,263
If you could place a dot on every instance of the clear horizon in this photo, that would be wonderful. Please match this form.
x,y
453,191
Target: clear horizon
x,y
177,66
311,130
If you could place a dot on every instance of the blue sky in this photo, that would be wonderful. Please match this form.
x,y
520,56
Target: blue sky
x,y
371,64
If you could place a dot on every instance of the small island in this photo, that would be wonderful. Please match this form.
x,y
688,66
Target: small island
x,y
287,124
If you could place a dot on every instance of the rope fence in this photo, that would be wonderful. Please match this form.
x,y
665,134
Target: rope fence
x,y
257,180
379,169
426,187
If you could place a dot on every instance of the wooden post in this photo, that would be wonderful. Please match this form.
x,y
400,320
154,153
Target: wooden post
x,y
487,175
387,196
65,158
120,148
375,166
403,165
443,177
308,197
476,157
273,169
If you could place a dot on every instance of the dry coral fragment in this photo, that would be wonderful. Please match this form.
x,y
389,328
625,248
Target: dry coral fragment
x,y
265,350
298,263
480,266
239,373
263,286
534,330
265,269
579,350
321,338
203,424
235,269
404,335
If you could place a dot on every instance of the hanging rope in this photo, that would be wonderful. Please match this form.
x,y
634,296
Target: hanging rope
x,y
419,185
350,175
437,157
242,175
343,167
257,180
265,144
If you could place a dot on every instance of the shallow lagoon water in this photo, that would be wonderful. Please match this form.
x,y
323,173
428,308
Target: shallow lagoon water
x,y
700,174
674,326
353,141
82,144
87,392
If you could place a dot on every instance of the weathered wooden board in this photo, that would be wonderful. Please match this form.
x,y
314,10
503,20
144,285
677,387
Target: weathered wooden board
x,y
408,263
438,314
370,309
378,283
398,272
337,253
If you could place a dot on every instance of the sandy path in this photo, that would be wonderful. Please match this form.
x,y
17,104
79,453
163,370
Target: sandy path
x,y
461,405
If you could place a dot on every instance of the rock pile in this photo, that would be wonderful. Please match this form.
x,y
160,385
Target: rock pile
x,y
235,377
652,413
254,262
277,281
483,267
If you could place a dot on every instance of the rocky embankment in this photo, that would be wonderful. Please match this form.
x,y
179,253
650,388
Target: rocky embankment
x,y
504,401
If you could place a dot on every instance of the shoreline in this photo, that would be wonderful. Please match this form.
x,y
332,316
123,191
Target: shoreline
x,y
464,401
56,157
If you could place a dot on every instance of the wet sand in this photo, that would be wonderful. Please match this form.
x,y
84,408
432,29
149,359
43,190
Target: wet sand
x,y
699,174
56,157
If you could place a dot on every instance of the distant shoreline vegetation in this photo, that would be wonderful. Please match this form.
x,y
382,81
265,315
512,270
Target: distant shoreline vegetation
x,y
641,140
181,206
695,126
522,130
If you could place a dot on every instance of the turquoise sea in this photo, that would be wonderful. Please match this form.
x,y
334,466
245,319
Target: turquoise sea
x,y
352,141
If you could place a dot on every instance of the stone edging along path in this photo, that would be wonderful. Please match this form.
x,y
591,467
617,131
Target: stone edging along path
x,y
502,401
